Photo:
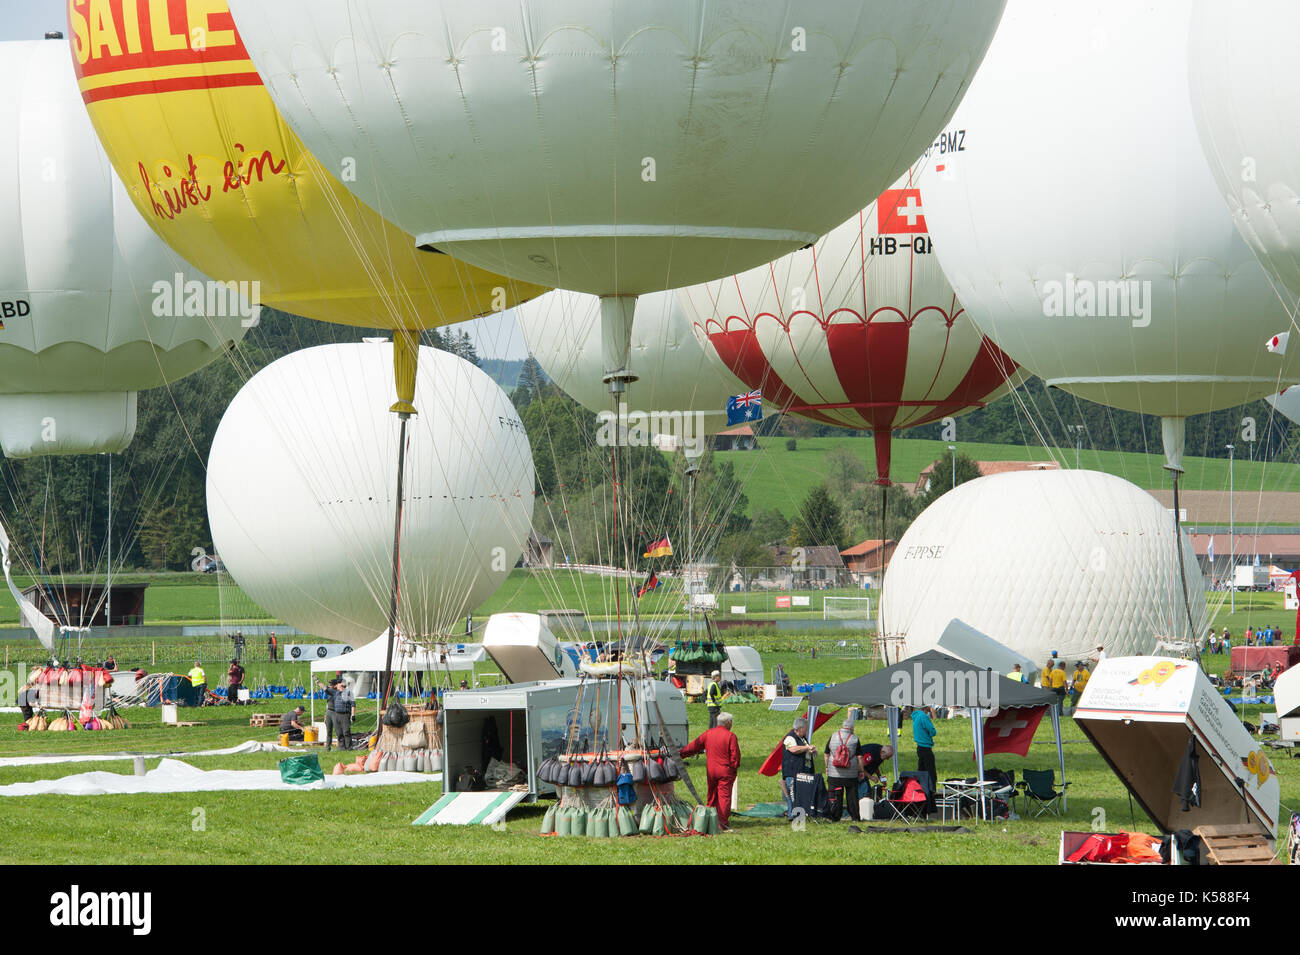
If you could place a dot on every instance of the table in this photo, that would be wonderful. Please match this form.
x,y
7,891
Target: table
x,y
957,791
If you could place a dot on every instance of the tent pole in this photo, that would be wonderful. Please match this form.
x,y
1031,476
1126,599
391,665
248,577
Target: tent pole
x,y
893,715
1060,753
977,730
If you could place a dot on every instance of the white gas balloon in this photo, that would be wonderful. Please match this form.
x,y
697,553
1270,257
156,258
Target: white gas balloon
x,y
679,391
1044,561
1077,219
1245,99
93,306
301,491
616,148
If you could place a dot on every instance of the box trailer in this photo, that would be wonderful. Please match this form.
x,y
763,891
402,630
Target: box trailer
x,y
534,721
1250,577
1141,712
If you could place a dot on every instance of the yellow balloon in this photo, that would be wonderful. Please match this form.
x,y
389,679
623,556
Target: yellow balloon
x,y
1162,671
1252,762
213,167
1145,677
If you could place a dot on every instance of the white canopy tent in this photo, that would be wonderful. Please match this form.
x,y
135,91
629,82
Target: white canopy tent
x,y
408,658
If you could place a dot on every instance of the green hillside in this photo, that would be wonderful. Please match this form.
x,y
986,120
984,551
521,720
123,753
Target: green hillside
x,y
775,477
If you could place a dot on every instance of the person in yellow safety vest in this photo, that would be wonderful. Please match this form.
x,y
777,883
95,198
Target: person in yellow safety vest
x,y
713,697
1017,674
199,680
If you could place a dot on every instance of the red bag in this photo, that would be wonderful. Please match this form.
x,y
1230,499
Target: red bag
x,y
842,758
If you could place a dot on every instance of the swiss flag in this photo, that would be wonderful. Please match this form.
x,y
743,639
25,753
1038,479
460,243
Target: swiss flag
x,y
899,211
1012,730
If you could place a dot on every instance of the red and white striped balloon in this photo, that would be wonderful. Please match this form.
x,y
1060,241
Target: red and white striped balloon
x,y
861,330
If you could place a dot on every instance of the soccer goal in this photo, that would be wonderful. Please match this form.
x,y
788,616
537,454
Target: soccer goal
x,y
846,608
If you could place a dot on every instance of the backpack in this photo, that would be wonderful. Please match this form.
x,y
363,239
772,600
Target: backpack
x,y
842,759
834,805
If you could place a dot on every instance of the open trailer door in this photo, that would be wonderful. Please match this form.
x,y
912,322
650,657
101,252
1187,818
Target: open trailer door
x,y
1140,713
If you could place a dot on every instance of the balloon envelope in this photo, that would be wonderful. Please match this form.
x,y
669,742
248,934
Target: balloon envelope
x,y
860,331
1080,226
1245,99
93,306
674,376
301,488
1043,561
218,174
617,148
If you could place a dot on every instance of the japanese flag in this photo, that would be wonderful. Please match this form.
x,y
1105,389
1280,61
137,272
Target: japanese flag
x,y
1278,343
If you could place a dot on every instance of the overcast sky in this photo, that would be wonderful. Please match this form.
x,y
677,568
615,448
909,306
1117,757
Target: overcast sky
x,y
497,336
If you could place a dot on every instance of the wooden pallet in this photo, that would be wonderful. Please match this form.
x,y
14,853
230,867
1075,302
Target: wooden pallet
x,y
1240,844
265,719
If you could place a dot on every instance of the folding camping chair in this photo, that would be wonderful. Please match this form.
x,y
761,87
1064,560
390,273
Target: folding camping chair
x,y
912,795
1041,794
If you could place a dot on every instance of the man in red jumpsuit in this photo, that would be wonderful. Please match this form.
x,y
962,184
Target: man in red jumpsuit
x,y
722,763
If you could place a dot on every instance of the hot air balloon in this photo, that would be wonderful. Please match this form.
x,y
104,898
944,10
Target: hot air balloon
x,y
1044,561
215,171
1090,244
859,331
1244,99
300,497
680,392
616,149
93,307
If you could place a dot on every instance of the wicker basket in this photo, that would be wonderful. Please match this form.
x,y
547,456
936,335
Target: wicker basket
x,y
390,740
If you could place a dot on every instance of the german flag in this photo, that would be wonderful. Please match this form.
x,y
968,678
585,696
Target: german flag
x,y
652,583
660,548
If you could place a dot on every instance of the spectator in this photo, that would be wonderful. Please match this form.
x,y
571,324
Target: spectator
x,y
1016,674
234,681
110,664
340,710
843,767
923,734
796,758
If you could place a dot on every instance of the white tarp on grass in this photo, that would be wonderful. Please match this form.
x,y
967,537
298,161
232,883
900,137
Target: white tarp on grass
x,y
173,776
251,746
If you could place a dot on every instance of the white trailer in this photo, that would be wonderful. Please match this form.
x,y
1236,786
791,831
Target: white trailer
x,y
537,720
1250,577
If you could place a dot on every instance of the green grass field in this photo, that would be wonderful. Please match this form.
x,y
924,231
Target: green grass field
x,y
373,826
775,477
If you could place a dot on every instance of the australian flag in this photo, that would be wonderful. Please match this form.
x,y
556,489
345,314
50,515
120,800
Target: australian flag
x,y
742,409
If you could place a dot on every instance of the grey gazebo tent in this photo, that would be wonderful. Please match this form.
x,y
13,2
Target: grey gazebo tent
x,y
936,679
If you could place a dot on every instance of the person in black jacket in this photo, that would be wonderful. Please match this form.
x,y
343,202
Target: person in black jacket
x,y
796,757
